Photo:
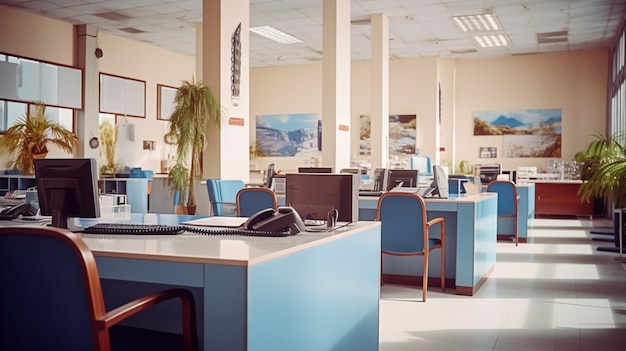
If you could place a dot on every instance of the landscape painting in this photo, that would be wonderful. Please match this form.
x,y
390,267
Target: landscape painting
x,y
402,131
288,135
527,133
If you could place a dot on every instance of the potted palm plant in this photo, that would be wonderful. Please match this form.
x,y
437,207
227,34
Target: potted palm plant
x,y
604,171
108,136
195,108
28,138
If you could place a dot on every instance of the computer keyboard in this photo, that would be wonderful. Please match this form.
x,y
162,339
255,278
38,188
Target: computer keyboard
x,y
370,193
162,229
134,229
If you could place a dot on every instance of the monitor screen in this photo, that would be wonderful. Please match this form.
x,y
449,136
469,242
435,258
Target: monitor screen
x,y
316,196
406,178
269,175
315,170
440,182
66,188
422,164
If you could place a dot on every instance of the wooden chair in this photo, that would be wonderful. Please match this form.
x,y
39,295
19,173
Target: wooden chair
x,y
405,231
254,199
508,202
51,298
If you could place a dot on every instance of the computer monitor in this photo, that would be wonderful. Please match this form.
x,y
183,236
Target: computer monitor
x,y
440,182
422,164
315,170
317,196
406,178
269,175
67,188
380,179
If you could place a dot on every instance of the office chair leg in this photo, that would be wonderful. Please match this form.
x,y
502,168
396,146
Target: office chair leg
x,y
443,270
425,277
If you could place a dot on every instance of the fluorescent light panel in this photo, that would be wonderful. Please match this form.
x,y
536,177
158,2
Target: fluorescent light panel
x,y
490,41
477,23
275,35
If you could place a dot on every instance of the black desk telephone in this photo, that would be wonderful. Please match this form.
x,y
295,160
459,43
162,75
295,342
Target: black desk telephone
x,y
14,211
286,218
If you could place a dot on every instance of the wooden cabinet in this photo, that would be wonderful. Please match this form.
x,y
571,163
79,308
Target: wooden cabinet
x,y
559,198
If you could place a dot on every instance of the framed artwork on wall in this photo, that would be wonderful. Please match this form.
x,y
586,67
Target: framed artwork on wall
x,y
165,101
526,133
288,135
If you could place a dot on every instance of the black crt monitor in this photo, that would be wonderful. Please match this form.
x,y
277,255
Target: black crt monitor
x,y
406,178
440,182
316,196
67,188
269,175
315,170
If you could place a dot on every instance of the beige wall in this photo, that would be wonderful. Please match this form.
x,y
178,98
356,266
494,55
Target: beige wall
x,y
28,35
574,82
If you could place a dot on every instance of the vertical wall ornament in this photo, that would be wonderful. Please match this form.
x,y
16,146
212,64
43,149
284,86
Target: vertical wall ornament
x,y
235,65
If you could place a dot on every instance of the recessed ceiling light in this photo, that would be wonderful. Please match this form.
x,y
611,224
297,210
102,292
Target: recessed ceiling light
x,y
490,41
275,35
477,23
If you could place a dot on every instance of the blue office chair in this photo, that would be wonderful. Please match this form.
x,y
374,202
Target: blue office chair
x,y
254,199
405,231
508,202
223,195
51,298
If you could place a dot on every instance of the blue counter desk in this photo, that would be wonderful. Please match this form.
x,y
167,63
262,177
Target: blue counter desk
x,y
526,209
310,291
470,243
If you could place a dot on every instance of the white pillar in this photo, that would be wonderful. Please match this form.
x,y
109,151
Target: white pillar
x,y
336,84
380,91
87,121
227,153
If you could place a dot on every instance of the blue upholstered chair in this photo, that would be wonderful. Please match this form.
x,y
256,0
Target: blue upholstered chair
x,y
254,199
508,201
51,298
405,231
223,196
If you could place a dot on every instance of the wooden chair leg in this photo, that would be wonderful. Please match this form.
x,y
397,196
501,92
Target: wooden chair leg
x,y
425,277
443,269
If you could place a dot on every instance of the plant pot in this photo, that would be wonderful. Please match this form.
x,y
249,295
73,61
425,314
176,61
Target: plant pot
x,y
616,221
191,209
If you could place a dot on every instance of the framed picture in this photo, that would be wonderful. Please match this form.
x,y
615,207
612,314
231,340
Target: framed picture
x,y
165,101
488,152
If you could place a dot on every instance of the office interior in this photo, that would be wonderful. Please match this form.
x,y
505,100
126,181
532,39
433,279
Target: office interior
x,y
442,93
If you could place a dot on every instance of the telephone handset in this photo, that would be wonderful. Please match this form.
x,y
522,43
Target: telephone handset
x,y
286,218
14,211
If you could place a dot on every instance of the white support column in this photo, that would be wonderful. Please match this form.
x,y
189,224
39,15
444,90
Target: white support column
x,y
87,121
336,84
380,91
227,153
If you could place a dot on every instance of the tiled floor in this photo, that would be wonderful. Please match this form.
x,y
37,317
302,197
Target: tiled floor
x,y
556,292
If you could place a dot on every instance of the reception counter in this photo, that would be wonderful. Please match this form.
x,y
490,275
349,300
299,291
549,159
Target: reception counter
x,y
559,198
305,292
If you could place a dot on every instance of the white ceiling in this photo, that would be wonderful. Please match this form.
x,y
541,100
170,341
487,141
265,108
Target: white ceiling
x,y
418,28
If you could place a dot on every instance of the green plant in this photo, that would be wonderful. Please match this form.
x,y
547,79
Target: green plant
x,y
28,138
108,138
195,108
604,168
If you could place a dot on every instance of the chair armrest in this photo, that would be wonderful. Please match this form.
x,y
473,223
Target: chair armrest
x,y
442,225
190,333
